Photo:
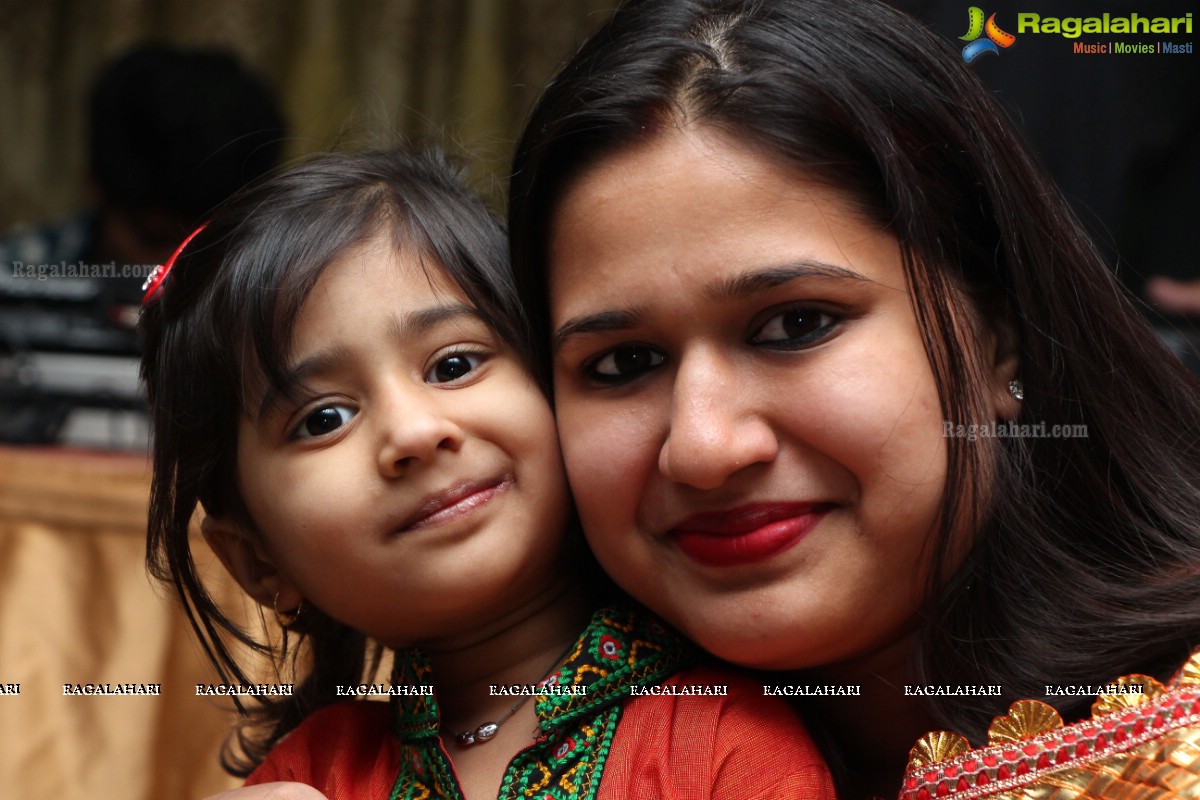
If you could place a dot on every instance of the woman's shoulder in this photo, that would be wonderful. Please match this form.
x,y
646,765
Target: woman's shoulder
x,y
344,749
1142,740
712,732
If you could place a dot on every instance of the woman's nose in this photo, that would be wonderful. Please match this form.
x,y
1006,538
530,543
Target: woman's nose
x,y
414,428
717,426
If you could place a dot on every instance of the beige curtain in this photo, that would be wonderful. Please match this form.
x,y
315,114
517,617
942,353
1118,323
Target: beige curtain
x,y
77,607
351,74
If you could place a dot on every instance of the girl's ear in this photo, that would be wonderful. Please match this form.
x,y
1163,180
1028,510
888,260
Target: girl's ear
x,y
245,559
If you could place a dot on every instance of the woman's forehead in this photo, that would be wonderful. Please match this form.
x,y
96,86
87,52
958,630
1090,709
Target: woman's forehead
x,y
692,209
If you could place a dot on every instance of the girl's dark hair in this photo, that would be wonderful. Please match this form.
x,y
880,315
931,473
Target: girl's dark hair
x,y
1084,561
221,331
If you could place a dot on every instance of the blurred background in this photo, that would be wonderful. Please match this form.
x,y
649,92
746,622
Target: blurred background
x,y
119,123
1120,133
347,73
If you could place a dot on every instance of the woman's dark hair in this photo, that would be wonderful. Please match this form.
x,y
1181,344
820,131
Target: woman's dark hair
x,y
1084,559
221,331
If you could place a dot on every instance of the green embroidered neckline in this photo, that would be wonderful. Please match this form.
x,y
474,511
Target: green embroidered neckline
x,y
621,648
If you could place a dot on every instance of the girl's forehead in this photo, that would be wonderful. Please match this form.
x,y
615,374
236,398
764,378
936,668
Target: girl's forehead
x,y
371,290
371,303
378,273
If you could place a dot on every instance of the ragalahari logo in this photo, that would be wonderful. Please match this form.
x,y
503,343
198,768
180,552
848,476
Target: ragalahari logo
x,y
976,27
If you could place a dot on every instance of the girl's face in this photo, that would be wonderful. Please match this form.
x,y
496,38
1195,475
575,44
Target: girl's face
x,y
748,417
413,489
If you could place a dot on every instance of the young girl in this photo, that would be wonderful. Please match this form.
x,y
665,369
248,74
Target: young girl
x,y
337,369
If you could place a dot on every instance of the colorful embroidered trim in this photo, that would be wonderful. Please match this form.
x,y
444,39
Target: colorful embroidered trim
x,y
1030,742
621,648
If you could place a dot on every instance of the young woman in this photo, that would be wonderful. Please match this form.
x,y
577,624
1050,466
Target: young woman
x,y
843,389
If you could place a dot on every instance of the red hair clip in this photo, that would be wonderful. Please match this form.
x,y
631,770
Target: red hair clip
x,y
154,281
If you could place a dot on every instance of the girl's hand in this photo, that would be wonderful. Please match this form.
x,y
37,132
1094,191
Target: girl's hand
x,y
271,791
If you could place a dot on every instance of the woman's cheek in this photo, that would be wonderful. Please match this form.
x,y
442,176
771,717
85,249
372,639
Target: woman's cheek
x,y
607,466
591,453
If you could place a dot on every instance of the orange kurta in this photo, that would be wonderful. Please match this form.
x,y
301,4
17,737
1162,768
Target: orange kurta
x,y
743,747
644,726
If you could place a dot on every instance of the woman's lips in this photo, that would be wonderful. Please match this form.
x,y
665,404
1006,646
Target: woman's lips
x,y
747,534
454,503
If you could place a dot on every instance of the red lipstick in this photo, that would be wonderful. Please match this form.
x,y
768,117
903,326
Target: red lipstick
x,y
747,534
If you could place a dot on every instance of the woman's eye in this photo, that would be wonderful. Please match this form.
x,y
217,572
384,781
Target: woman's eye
x,y
323,420
625,363
453,367
794,327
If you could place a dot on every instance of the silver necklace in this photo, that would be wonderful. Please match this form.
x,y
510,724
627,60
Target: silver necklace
x,y
489,729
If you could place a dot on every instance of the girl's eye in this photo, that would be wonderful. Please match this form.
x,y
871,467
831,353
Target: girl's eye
x,y
454,367
794,327
323,420
625,363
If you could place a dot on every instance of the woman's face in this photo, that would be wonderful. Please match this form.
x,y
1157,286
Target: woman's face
x,y
749,420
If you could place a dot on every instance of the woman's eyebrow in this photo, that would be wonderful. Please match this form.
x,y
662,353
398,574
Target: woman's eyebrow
x,y
602,322
741,286
733,288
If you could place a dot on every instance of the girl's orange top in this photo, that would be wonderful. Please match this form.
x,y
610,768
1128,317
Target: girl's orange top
x,y
643,729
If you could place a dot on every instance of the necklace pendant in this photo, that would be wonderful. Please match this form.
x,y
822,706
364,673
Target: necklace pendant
x,y
465,738
486,731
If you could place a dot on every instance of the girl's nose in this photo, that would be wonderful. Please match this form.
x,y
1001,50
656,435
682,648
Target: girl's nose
x,y
716,427
414,430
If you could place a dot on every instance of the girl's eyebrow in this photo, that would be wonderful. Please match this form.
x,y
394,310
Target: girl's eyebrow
x,y
410,324
733,288
297,375
421,321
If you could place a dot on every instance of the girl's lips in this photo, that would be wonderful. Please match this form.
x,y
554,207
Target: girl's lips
x,y
747,534
454,503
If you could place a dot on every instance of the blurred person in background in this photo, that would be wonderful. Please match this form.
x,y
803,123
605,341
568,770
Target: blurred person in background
x,y
171,133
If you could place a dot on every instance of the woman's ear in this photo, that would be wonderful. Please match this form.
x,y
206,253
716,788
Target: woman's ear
x,y
1003,348
245,559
